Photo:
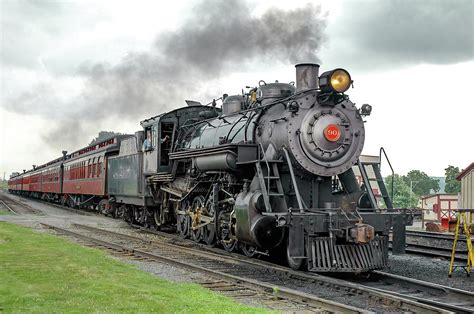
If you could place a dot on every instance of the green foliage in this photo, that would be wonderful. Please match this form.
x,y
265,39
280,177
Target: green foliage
x,y
452,185
276,292
3,185
41,273
420,182
402,196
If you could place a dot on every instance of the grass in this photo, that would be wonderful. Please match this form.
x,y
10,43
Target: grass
x,y
44,273
3,185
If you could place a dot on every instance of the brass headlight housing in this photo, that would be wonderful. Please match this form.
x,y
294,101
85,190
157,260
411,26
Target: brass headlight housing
x,y
337,80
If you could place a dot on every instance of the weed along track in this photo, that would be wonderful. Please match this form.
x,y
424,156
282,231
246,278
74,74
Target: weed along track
x,y
281,287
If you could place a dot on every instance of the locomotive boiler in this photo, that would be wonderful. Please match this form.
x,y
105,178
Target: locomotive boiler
x,y
271,172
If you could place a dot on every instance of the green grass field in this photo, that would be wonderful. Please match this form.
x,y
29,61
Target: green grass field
x,y
47,274
3,185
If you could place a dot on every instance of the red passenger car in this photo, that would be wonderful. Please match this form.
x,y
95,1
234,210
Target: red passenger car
x,y
25,182
35,181
84,177
51,179
15,183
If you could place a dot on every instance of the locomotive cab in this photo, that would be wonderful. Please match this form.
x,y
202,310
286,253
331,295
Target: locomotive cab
x,y
157,144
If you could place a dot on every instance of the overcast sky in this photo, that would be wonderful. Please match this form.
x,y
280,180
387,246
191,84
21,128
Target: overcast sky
x,y
70,69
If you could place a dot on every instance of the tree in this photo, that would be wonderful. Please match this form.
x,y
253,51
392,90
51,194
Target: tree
x,y
103,135
452,185
420,182
402,196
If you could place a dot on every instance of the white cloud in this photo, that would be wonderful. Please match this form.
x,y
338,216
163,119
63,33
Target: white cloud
x,y
421,113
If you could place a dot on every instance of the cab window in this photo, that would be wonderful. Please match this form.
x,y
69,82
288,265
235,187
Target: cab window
x,y
166,137
149,143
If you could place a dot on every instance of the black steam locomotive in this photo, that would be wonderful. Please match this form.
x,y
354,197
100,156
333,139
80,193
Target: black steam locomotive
x,y
271,172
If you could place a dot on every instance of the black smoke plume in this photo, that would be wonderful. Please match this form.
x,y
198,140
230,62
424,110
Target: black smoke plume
x,y
215,39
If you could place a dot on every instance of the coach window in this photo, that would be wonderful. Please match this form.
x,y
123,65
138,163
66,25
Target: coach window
x,y
148,141
99,164
89,168
93,167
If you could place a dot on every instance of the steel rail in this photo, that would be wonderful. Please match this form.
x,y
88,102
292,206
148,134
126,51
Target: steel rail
x,y
433,244
360,288
434,235
8,207
20,204
463,296
386,297
74,210
452,293
269,288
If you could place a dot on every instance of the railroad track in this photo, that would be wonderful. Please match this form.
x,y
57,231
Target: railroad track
x,y
275,297
5,205
74,210
376,295
435,245
411,296
429,234
16,207
444,297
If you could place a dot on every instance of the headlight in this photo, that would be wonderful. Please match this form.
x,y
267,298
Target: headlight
x,y
337,80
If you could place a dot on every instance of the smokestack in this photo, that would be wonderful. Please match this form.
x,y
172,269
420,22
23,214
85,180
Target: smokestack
x,y
64,154
306,76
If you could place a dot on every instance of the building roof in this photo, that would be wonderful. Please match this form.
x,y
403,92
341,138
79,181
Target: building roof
x,y
465,171
424,197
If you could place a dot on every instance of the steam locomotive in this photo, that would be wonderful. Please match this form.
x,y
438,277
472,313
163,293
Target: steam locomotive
x,y
271,172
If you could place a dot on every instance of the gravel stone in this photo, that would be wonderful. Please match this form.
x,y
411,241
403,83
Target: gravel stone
x,y
430,269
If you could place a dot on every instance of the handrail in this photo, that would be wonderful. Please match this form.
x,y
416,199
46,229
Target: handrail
x,y
268,168
368,186
293,178
382,150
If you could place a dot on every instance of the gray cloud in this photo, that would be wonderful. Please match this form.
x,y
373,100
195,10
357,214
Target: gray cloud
x,y
30,28
403,32
217,37
209,43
